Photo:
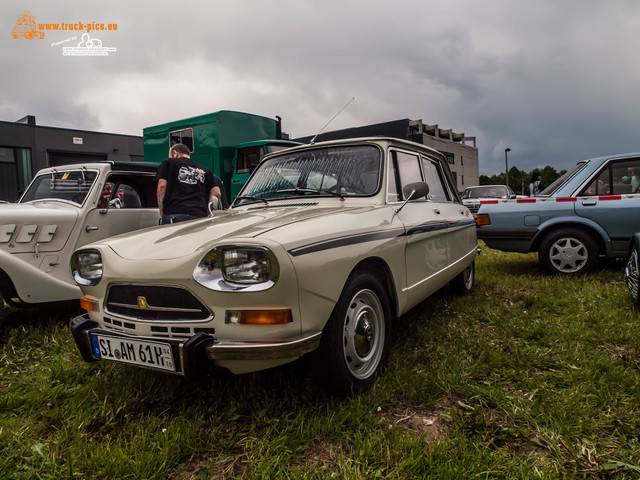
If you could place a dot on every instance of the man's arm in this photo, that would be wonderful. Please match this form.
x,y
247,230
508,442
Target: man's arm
x,y
160,191
214,192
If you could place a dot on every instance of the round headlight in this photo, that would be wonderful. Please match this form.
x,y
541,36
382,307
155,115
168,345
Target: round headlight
x,y
86,266
237,268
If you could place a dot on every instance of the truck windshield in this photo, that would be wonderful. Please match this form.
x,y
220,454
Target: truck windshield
x,y
67,185
343,171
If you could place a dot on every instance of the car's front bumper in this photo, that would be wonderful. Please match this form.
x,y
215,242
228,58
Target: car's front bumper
x,y
194,356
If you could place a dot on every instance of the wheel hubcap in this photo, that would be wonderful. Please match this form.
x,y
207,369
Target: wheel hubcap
x,y
568,255
363,334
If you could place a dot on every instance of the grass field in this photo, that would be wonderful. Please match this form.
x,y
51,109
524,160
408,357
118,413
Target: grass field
x,y
531,376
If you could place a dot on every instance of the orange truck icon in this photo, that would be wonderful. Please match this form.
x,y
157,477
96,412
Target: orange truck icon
x,y
26,27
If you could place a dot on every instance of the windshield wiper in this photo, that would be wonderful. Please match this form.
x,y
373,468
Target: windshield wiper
x,y
251,197
310,190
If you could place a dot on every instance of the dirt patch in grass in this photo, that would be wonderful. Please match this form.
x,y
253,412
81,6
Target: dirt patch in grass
x,y
418,420
322,452
223,467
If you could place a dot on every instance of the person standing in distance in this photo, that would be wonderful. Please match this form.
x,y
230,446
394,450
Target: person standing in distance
x,y
184,187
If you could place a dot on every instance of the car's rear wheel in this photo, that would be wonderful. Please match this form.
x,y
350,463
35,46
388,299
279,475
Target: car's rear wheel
x,y
632,276
568,252
463,283
355,342
1,308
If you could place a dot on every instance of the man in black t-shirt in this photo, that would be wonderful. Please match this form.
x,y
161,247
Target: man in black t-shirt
x,y
184,187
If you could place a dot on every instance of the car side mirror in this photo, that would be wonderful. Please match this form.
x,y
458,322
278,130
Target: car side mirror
x,y
413,191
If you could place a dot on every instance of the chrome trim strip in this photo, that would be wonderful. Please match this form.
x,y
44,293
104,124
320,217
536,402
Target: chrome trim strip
x,y
264,350
155,309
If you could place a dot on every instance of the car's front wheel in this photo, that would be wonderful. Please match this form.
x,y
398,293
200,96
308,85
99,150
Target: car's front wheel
x,y
568,252
355,342
632,275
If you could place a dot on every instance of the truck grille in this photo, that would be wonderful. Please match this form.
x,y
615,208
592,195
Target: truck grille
x,y
155,303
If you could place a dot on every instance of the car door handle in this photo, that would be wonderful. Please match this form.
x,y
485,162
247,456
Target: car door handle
x,y
588,203
88,228
437,210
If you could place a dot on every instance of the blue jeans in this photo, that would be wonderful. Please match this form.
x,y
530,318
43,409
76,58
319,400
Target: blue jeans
x,y
175,218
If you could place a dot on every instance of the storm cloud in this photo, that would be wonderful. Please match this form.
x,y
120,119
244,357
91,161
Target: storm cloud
x,y
554,81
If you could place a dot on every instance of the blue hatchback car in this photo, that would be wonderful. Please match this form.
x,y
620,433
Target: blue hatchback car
x,y
591,211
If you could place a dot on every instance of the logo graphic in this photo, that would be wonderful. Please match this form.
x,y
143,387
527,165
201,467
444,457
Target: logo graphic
x,y
26,27
191,175
142,303
88,47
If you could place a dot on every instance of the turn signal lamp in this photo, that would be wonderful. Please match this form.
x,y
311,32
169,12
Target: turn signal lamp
x,y
258,317
483,219
90,303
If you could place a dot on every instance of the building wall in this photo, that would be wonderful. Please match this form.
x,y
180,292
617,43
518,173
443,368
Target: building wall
x,y
465,160
32,147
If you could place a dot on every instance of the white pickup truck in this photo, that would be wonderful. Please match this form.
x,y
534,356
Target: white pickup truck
x,y
63,209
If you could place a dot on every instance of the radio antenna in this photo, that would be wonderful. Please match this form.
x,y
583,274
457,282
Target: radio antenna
x,y
327,124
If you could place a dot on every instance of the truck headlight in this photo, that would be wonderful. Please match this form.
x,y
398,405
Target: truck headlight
x,y
238,268
86,266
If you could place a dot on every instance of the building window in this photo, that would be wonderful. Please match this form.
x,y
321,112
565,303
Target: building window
x,y
8,174
450,157
184,136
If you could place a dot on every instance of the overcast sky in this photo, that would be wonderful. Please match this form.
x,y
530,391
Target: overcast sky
x,y
555,81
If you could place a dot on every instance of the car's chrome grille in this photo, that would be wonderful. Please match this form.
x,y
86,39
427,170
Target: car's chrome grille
x,y
155,303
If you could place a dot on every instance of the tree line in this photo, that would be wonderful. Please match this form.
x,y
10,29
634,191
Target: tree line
x,y
519,179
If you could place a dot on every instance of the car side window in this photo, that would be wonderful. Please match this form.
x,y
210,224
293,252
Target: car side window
x,y
404,168
617,178
437,189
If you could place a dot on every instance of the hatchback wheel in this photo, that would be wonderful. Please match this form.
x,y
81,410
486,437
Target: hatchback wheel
x,y
464,281
355,342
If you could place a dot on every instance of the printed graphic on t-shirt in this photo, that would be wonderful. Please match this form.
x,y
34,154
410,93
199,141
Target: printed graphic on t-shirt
x,y
191,175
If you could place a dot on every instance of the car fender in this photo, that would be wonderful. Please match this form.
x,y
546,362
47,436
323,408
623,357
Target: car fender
x,y
585,224
35,286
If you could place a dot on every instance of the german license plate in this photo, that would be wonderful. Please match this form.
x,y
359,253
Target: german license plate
x,y
136,352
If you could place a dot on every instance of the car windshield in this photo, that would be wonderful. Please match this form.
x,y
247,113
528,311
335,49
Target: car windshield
x,y
486,192
342,171
67,185
562,180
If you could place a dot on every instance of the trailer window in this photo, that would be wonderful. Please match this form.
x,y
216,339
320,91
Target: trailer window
x,y
184,136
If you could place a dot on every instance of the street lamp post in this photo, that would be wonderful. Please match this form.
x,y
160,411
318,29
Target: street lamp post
x,y
506,166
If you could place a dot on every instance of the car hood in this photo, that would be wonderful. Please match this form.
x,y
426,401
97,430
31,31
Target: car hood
x,y
47,223
186,238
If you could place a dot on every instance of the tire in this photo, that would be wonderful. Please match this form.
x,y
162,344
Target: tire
x,y
632,276
1,308
464,281
356,340
568,252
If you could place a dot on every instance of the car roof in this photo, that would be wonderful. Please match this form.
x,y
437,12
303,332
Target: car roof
x,y
120,166
389,141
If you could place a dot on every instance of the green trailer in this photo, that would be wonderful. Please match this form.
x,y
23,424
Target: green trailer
x,y
228,143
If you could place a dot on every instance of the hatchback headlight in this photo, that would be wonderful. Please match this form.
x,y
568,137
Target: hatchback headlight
x,y
86,266
238,268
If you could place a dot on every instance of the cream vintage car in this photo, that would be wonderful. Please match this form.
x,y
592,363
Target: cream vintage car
x,y
64,208
325,245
